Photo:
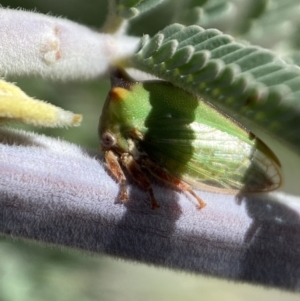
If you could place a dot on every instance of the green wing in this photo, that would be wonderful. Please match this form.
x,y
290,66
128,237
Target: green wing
x,y
210,158
193,140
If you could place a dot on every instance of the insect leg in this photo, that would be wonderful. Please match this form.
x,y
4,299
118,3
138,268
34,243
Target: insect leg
x,y
113,165
162,174
138,175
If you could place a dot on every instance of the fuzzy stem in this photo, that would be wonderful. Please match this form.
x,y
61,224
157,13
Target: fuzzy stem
x,y
36,44
54,192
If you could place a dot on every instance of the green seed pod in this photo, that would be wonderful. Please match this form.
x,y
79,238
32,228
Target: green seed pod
x,y
154,127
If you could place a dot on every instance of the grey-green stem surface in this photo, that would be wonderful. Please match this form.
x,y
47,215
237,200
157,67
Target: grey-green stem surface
x,y
55,192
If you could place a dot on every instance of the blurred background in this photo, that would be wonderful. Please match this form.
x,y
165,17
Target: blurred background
x,y
33,271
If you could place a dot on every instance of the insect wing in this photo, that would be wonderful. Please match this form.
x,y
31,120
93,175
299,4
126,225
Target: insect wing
x,y
211,159
188,137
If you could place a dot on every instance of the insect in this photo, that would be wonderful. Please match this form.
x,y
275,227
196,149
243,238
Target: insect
x,y
154,127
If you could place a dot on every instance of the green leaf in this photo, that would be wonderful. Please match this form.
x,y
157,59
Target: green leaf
x,y
204,12
244,81
271,23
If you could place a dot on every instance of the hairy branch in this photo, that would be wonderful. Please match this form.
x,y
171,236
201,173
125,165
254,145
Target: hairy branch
x,y
36,44
55,192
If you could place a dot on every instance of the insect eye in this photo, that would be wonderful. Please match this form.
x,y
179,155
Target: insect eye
x,y
108,140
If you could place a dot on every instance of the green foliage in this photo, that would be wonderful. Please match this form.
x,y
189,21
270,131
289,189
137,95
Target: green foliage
x,y
203,12
245,81
274,26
